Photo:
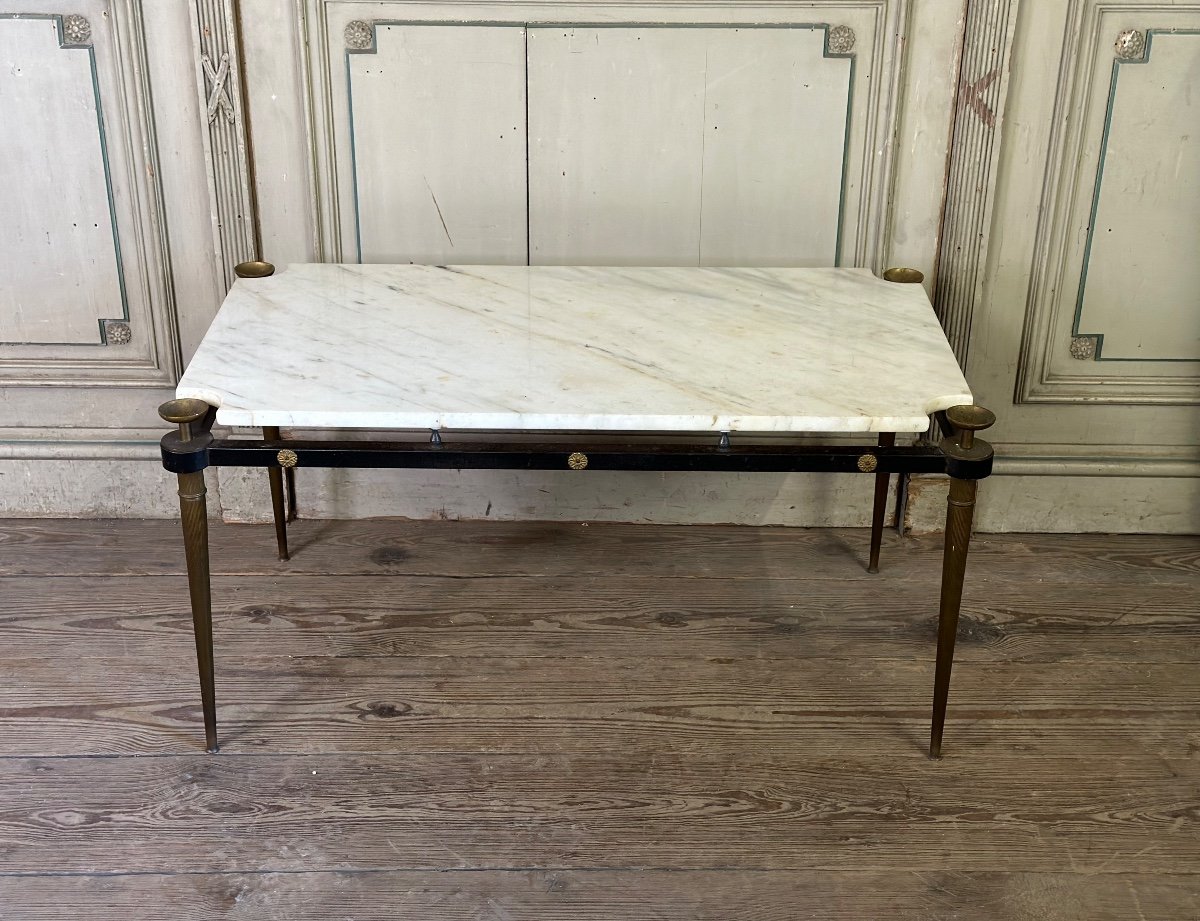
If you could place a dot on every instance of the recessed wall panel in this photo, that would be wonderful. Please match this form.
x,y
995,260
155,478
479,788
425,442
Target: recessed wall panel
x,y
437,122
686,145
60,251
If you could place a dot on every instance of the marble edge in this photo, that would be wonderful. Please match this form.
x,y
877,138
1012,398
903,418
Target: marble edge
x,y
599,422
534,422
546,422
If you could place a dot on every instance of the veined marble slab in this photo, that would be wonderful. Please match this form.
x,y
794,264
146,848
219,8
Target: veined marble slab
x,y
602,349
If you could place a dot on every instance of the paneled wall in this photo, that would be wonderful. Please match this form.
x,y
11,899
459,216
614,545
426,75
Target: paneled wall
x,y
653,133
1035,160
97,197
1115,311
85,297
1087,321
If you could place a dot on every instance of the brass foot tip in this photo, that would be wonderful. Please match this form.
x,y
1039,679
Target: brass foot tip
x,y
213,750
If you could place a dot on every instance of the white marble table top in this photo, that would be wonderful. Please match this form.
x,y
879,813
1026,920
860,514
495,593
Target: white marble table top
x,y
562,348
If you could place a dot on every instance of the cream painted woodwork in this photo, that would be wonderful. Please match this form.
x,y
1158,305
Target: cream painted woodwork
x,y
1144,233
1095,206
670,133
1114,305
86,297
58,233
439,176
93,319
1034,159
740,132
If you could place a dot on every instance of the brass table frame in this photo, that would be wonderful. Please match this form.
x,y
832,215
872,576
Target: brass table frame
x,y
188,451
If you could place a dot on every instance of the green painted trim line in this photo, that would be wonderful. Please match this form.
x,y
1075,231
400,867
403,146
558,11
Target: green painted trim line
x,y
108,186
526,26
841,215
1087,249
353,152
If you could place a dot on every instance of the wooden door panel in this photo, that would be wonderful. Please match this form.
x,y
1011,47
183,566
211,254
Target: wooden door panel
x,y
437,125
687,146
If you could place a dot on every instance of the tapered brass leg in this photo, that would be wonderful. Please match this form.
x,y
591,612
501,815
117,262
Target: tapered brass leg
x,y
187,451
271,433
194,514
960,507
882,481
963,452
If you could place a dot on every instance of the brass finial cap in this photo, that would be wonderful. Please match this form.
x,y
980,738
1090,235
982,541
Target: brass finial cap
x,y
180,411
904,276
256,268
970,418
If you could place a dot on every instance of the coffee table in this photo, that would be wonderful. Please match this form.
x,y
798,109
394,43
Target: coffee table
x,y
555,361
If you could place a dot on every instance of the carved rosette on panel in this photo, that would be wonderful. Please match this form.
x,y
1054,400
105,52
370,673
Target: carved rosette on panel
x,y
359,35
1083,348
1130,45
76,30
840,40
117,332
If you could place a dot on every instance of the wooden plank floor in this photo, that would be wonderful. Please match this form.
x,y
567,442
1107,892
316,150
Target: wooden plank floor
x,y
467,721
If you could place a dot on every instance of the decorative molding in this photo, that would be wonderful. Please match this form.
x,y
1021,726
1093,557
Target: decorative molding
x,y
1084,348
123,104
839,40
330,28
837,43
974,153
1131,45
226,151
359,35
1142,466
74,33
135,447
1058,362
218,89
76,30
117,332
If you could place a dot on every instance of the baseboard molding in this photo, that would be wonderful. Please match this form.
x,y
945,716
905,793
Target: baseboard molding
x,y
1047,494
1071,504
